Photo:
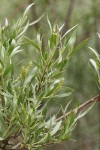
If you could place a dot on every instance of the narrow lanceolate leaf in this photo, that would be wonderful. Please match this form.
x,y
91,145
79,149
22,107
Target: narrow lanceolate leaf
x,y
94,64
27,9
98,35
84,113
77,48
68,32
2,52
56,128
53,40
23,30
1,62
61,28
50,122
95,53
8,70
6,22
14,102
15,51
37,20
2,125
65,110
72,40
63,95
29,41
62,64
49,24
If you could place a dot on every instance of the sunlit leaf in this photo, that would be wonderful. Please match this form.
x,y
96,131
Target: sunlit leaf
x,y
27,9
67,32
56,128
94,64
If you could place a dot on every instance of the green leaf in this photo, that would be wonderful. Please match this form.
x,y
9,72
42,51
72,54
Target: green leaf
x,y
62,64
51,122
72,39
52,89
6,94
15,51
67,106
11,48
95,53
77,48
1,62
27,9
56,75
98,35
2,125
67,32
6,22
49,24
23,30
14,103
37,20
53,40
36,64
94,64
29,41
3,52
56,128
6,72
84,113
63,95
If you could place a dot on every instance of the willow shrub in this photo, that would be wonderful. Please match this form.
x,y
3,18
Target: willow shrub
x,y
24,95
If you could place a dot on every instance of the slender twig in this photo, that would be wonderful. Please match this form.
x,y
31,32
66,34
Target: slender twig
x,y
93,100
42,79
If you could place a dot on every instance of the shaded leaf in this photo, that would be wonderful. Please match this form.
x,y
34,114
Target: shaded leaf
x,y
32,43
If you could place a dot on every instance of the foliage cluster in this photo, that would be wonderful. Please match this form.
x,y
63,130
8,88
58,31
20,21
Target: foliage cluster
x,y
24,123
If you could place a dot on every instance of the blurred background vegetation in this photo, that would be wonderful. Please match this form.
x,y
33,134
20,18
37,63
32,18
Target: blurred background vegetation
x,y
78,74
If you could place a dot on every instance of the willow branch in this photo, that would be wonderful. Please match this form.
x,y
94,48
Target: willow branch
x,y
93,100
